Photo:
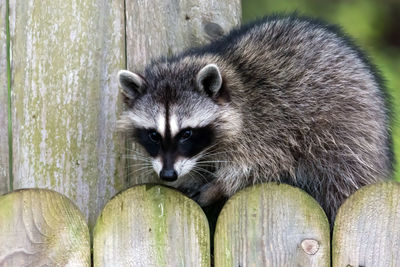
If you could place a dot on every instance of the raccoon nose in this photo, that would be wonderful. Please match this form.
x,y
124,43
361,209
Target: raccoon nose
x,y
168,175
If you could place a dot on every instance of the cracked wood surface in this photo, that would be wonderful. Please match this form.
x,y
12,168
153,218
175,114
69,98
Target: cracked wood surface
x,y
40,227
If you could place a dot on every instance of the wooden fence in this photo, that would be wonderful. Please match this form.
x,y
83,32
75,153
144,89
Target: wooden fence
x,y
57,128
151,225
58,107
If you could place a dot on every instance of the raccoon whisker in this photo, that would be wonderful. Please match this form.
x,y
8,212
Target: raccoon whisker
x,y
146,173
141,164
140,161
137,159
209,151
205,165
192,177
212,146
212,157
217,153
140,169
210,160
214,161
205,170
203,178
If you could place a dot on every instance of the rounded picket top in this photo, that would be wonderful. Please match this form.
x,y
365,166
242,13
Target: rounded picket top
x,y
272,225
40,227
151,225
367,227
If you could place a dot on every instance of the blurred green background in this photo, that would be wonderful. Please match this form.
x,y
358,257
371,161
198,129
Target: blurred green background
x,y
373,24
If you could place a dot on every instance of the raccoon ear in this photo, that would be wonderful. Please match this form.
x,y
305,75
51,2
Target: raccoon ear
x,y
209,79
131,84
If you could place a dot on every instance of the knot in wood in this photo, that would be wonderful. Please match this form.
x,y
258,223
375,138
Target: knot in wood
x,y
310,246
213,30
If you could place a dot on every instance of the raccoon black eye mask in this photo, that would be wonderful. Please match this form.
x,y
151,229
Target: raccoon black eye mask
x,y
284,99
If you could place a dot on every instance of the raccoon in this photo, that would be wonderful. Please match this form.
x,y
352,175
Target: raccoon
x,y
286,99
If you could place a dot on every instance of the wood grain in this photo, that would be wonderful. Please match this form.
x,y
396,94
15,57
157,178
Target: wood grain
x,y
151,225
367,228
66,55
42,228
4,167
272,225
165,27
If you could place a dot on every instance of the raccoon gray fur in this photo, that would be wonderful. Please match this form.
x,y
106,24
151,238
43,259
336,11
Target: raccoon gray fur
x,y
285,99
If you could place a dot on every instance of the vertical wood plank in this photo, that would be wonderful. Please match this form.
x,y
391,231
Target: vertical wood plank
x,y
42,228
367,228
4,176
151,225
272,225
164,27
66,55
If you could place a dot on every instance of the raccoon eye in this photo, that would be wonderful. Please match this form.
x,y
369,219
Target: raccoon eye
x,y
154,136
185,135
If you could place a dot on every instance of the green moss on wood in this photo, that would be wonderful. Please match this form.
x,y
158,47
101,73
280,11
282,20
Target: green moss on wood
x,y
366,230
174,227
265,225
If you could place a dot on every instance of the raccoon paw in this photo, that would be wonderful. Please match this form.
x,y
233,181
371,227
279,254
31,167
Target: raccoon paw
x,y
208,194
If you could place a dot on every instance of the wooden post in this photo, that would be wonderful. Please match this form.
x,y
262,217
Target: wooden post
x,y
164,27
42,228
272,225
367,228
4,160
151,225
65,57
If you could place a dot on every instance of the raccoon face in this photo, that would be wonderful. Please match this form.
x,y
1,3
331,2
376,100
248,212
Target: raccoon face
x,y
173,118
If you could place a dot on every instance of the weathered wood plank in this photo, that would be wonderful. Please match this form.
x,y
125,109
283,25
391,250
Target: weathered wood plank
x,y
42,228
367,228
66,55
151,225
4,176
165,27
272,225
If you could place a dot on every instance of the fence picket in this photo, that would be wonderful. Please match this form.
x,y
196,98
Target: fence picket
x,y
367,228
272,225
151,225
42,228
66,55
